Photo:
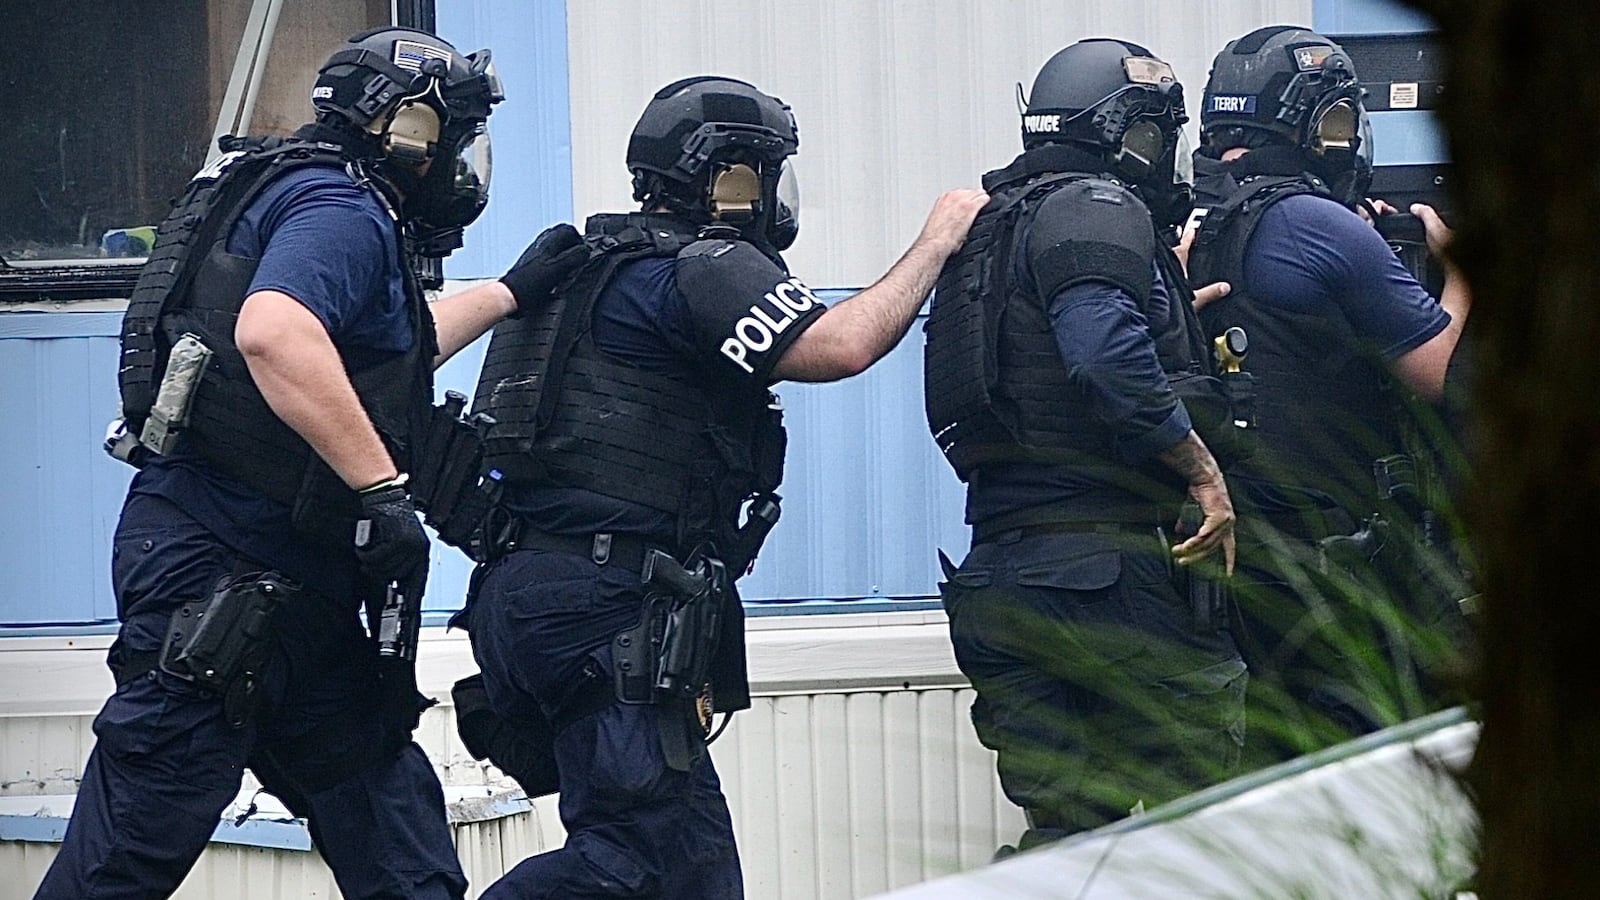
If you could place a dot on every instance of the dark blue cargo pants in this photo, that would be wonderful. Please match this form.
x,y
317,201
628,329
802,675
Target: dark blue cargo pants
x,y
1098,684
542,625
166,762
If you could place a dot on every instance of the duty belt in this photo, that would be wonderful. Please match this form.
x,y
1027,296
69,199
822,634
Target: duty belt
x,y
1006,528
604,548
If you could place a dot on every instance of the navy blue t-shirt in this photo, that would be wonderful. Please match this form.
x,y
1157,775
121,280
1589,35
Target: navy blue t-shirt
x,y
331,245
1310,254
643,318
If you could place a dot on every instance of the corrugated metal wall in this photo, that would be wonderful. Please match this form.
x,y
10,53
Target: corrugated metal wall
x,y
848,795
896,100
833,795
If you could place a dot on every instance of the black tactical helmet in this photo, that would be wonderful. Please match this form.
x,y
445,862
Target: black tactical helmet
x,y
425,107
1291,86
715,149
1119,101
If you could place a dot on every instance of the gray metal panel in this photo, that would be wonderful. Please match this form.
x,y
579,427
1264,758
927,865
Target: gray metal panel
x,y
895,101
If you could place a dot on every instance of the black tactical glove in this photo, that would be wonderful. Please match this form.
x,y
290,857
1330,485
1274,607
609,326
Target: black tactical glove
x,y
390,542
557,252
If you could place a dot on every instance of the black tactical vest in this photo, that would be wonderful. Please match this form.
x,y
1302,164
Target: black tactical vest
x,y
1324,406
569,415
996,388
192,284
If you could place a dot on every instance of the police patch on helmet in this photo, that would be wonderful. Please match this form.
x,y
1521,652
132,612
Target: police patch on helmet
x,y
1232,103
410,55
1310,58
1041,123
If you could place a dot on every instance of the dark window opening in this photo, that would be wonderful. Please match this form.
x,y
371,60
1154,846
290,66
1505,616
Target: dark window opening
x,y
113,107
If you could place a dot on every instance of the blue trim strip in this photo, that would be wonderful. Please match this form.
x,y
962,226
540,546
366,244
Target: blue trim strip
x,y
439,618
60,324
35,829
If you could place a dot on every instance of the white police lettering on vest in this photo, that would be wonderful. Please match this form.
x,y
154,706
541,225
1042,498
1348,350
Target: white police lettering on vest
x,y
1041,123
769,317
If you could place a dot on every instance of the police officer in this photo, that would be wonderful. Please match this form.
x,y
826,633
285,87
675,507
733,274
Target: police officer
x,y
641,450
1340,337
282,300
1066,382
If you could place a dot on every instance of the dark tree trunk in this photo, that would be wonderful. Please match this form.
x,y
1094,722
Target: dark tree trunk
x,y
1523,120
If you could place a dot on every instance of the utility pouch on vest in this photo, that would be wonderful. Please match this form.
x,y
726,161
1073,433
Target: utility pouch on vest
x,y
445,478
169,415
222,642
1214,418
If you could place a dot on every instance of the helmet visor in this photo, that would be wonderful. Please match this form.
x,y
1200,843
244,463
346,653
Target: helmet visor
x,y
1183,160
785,225
473,165
788,194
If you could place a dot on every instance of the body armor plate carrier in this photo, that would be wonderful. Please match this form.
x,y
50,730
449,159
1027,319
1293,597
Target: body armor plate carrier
x,y
997,389
1324,404
567,414
191,284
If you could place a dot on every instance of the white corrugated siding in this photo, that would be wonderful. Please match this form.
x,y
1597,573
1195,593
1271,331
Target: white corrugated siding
x,y
834,795
897,100
847,795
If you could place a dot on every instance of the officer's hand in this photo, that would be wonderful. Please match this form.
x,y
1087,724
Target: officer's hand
x,y
1216,529
951,218
1439,234
553,255
1381,207
1203,296
390,542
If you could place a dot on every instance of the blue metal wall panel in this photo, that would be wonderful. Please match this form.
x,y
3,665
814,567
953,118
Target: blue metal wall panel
x,y
1366,17
59,494
531,185
867,497
1398,137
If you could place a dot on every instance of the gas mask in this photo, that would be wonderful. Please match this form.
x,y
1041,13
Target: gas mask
x,y
1338,147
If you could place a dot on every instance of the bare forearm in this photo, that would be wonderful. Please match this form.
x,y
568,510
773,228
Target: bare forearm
x,y
1193,460
462,318
298,371
857,332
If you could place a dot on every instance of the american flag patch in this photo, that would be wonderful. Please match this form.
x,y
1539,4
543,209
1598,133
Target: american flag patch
x,y
410,55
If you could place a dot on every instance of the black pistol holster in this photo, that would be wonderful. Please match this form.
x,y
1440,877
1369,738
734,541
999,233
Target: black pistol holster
x,y
1209,592
666,658
222,642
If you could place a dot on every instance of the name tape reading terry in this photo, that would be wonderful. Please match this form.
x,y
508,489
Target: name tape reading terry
x,y
769,317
